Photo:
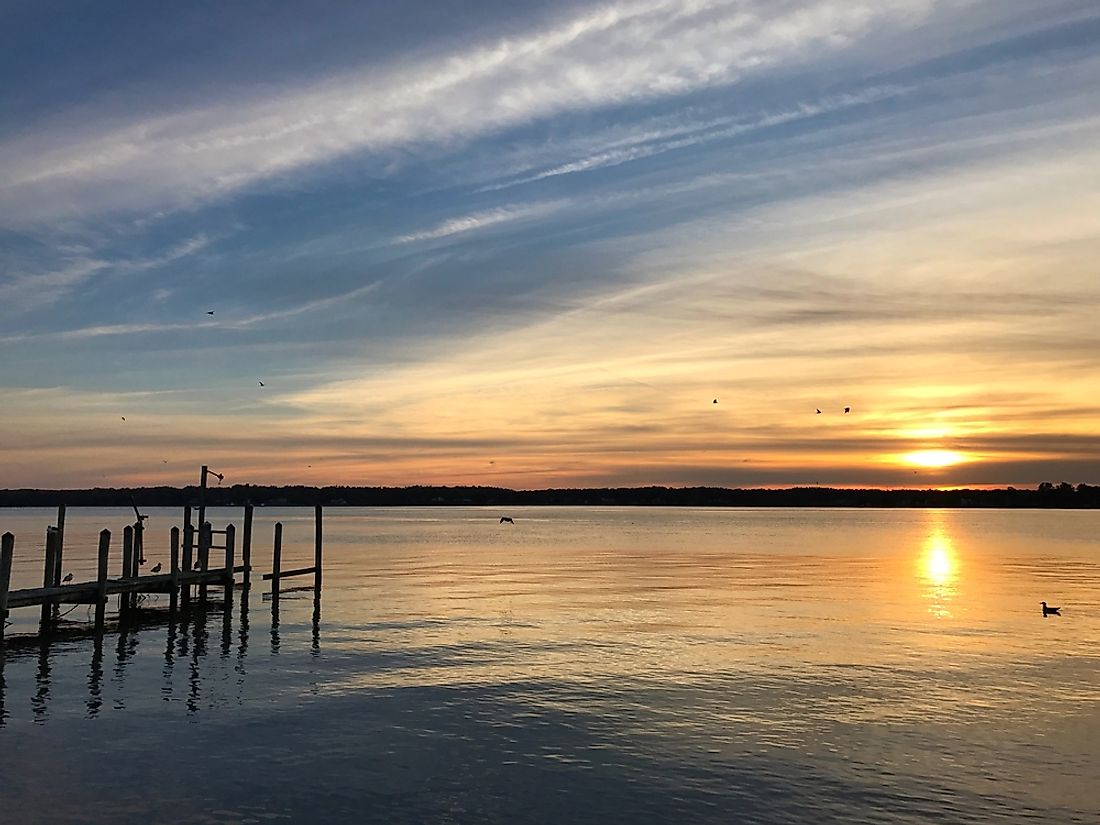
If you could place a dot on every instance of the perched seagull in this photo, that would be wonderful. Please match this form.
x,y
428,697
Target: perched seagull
x,y
198,565
847,410
506,520
156,568
1050,611
69,578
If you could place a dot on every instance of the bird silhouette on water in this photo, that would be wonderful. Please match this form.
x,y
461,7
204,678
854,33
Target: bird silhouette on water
x,y
156,568
1050,611
68,578
506,520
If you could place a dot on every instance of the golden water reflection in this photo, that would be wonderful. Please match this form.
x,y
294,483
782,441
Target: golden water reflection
x,y
939,572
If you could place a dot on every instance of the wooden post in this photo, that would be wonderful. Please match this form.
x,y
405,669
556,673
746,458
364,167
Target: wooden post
x,y
7,553
246,546
174,568
317,542
276,565
188,545
101,577
48,570
139,546
127,564
230,538
58,565
202,495
205,535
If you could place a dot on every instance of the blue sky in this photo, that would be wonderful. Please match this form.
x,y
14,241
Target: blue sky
x,y
530,245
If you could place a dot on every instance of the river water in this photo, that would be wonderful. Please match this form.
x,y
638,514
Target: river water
x,y
611,665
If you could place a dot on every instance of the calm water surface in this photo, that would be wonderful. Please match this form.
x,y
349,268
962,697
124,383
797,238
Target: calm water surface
x,y
586,665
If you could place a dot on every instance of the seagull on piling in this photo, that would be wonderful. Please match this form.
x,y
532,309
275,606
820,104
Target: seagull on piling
x,y
68,578
1050,611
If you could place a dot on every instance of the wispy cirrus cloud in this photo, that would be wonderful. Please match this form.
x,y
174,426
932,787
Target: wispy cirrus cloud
x,y
23,291
649,144
133,162
483,220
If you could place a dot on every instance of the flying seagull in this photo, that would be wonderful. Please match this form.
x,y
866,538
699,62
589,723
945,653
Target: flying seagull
x,y
506,520
847,410
1050,611
69,578
818,411
262,384
123,418
715,401
156,568
209,312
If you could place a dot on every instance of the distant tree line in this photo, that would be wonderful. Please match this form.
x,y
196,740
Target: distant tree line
x,y
1046,495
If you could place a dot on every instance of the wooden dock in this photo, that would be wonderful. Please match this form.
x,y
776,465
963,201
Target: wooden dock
x,y
190,572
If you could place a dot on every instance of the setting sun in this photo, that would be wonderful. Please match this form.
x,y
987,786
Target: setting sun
x,y
934,458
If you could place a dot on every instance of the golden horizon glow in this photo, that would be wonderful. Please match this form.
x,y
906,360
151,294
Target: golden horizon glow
x,y
935,459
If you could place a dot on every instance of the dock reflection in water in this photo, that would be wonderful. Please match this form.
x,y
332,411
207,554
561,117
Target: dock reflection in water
x,y
187,640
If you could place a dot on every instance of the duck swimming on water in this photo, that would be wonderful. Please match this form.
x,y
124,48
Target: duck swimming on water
x,y
1050,611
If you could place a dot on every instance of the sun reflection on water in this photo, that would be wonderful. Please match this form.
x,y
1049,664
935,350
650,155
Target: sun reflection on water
x,y
939,571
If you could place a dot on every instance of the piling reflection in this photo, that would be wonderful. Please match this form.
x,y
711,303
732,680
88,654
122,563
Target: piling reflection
x,y
187,643
95,678
40,701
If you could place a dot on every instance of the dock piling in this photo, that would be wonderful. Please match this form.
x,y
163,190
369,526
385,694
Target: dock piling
x,y
127,564
174,568
205,537
58,563
246,547
188,545
48,570
101,577
317,542
276,565
7,553
230,539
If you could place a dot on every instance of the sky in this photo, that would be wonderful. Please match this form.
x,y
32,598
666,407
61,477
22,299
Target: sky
x,y
550,244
